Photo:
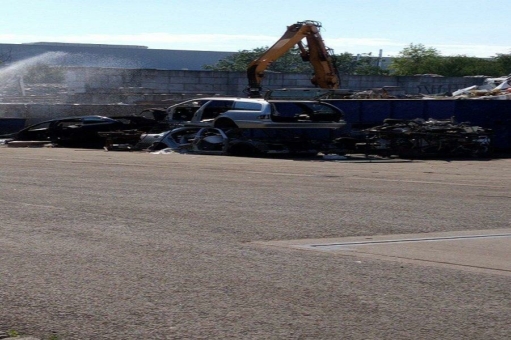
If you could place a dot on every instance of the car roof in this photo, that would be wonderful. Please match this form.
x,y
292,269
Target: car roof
x,y
255,100
232,98
74,118
293,101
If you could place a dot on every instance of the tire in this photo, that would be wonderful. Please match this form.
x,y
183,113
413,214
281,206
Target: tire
x,y
157,146
244,150
225,124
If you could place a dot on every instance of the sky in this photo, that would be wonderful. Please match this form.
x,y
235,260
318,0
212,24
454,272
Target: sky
x,y
453,27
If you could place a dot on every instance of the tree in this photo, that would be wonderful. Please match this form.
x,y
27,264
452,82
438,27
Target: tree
x,y
235,62
504,63
345,63
415,59
367,65
289,62
418,59
292,62
461,65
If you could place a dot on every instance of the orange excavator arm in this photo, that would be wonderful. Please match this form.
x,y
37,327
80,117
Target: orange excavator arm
x,y
325,75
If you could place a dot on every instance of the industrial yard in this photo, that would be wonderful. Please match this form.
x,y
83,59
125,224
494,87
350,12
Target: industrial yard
x,y
376,210
112,245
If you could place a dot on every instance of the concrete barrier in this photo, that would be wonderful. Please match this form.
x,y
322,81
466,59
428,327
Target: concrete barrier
x,y
34,113
100,85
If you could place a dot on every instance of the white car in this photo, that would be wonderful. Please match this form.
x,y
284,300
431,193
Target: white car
x,y
250,113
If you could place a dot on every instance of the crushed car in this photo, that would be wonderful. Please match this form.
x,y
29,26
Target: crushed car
x,y
84,131
186,140
239,142
419,138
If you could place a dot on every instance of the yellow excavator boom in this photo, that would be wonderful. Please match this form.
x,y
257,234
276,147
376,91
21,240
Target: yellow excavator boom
x,y
325,75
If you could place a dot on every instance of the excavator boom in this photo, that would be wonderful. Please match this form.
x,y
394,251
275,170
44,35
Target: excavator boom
x,y
325,75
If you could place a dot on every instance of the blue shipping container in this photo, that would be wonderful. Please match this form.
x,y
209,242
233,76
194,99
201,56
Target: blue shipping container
x,y
490,114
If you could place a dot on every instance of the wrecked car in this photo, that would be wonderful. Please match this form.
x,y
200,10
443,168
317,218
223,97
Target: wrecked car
x,y
418,138
82,132
187,140
239,142
250,113
255,126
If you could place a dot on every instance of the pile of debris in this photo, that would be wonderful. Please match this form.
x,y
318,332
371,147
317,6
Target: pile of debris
x,y
386,92
492,88
418,138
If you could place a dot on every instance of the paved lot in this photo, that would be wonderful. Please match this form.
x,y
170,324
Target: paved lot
x,y
106,245
486,251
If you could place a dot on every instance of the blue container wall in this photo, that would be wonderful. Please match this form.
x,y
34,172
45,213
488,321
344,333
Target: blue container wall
x,y
492,114
10,125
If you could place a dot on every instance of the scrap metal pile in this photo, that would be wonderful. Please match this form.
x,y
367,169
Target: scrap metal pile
x,y
420,138
492,88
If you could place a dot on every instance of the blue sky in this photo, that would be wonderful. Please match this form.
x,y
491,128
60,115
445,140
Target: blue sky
x,y
469,27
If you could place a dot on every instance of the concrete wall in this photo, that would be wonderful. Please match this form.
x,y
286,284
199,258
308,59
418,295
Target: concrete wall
x,y
111,85
34,113
98,90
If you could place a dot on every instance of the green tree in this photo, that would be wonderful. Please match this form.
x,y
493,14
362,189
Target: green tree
x,y
235,62
366,64
413,59
345,62
289,62
292,62
503,63
461,65
416,59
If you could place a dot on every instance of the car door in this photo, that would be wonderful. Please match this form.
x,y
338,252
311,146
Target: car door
x,y
206,115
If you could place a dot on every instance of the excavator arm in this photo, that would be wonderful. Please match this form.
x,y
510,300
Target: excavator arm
x,y
325,75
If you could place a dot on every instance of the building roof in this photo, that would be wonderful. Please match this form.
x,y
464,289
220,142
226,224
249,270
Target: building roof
x,y
116,56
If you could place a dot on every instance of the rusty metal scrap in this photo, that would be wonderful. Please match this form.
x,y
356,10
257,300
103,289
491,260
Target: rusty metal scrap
x,y
419,138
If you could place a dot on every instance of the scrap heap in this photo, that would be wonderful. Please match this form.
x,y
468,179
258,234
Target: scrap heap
x,y
493,88
418,138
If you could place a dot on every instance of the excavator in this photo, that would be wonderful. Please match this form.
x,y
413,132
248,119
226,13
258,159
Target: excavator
x,y
325,72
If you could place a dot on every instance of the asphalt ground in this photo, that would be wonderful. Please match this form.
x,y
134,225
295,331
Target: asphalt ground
x,y
119,245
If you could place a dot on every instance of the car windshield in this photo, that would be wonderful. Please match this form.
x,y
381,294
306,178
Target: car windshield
x,y
249,106
184,111
40,126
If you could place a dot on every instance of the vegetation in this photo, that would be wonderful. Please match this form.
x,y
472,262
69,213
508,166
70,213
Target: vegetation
x,y
413,59
291,62
13,333
419,59
503,63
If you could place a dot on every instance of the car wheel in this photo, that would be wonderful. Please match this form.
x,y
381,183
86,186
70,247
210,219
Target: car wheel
x,y
244,149
157,146
225,124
